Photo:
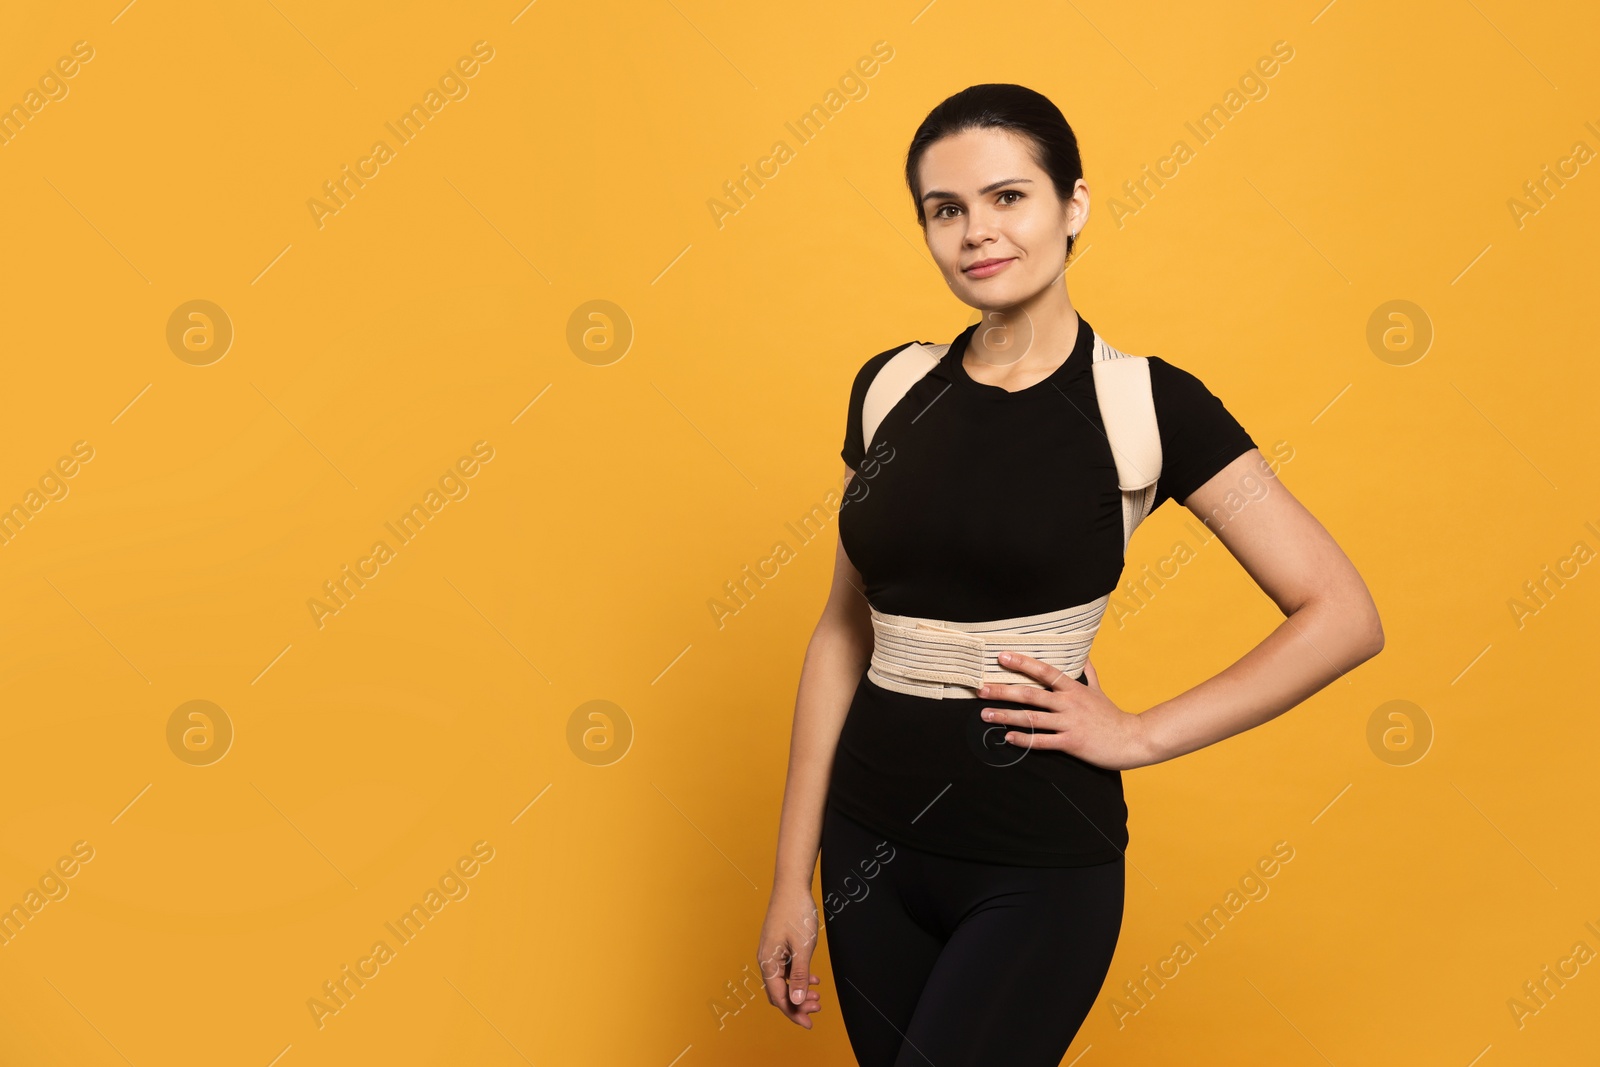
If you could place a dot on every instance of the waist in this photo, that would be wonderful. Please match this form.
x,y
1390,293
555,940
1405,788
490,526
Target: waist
x,y
950,660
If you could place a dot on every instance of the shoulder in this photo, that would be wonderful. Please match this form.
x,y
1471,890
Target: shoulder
x,y
857,428
1171,375
875,362
869,370
1175,388
1170,384
1199,435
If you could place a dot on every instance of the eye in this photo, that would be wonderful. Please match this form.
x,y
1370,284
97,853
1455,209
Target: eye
x,y
940,213
1018,193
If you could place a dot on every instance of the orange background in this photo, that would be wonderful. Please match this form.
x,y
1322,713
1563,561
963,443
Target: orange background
x,y
443,705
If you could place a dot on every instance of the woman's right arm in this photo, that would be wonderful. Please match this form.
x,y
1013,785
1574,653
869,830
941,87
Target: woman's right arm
x,y
840,648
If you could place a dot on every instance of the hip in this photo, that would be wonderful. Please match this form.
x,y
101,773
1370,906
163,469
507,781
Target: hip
x,y
937,776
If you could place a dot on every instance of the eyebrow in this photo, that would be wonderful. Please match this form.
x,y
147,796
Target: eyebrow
x,y
991,187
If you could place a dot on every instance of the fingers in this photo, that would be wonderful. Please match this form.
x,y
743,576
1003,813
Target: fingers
x,y
801,1014
1041,672
810,999
1020,694
811,1003
773,964
1049,726
779,968
799,978
1049,699
1017,694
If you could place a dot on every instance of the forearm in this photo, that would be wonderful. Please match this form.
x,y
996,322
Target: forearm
x,y
1311,648
835,658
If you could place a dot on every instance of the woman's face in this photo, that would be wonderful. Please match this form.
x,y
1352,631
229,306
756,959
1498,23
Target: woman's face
x,y
987,199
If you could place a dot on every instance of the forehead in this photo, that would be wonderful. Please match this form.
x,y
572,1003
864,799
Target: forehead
x,y
967,161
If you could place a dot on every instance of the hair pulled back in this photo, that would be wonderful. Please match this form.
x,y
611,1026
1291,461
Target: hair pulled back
x,y
1002,106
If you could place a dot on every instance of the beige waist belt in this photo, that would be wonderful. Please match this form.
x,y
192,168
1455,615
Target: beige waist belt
x,y
945,660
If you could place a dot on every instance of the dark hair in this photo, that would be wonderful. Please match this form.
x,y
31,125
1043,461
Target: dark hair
x,y
1001,106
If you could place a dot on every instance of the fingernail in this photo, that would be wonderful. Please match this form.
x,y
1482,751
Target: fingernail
x,y
794,996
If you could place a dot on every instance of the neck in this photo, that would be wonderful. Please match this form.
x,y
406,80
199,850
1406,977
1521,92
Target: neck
x,y
1040,331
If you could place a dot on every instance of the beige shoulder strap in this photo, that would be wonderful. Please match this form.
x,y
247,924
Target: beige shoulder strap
x,y
894,379
1122,389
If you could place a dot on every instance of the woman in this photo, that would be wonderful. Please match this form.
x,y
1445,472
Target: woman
x,y
953,755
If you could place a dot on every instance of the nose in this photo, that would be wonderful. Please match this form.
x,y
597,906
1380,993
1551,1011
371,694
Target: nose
x,y
980,226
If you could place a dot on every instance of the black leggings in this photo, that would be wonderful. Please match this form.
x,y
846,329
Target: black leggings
x,y
953,963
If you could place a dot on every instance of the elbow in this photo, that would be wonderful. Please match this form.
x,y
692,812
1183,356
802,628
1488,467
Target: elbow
x,y
1375,641
1362,640
1361,622
1370,629
1350,623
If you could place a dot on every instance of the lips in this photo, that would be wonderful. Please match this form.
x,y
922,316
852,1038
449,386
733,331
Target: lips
x,y
984,268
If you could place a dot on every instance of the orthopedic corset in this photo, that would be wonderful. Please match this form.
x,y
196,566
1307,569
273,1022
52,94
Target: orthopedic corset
x,y
943,659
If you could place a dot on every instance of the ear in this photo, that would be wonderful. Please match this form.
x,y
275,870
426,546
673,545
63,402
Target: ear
x,y
1080,199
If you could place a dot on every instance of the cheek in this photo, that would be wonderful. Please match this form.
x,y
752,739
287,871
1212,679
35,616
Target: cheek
x,y
1037,235
946,252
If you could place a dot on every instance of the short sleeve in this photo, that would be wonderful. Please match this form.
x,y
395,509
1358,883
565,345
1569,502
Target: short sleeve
x,y
854,452
1199,436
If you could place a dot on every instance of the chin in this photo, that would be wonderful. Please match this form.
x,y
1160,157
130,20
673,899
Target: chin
x,y
994,298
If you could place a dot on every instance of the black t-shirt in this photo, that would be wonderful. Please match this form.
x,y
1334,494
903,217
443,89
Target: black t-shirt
x,y
974,503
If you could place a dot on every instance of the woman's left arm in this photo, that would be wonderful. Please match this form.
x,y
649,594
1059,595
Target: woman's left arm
x,y
1330,627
